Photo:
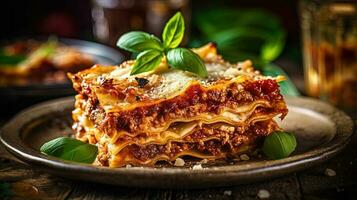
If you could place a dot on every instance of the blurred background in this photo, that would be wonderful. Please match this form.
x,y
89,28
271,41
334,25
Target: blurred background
x,y
105,20
266,32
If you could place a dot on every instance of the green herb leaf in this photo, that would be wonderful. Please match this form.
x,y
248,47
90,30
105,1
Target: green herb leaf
x,y
279,145
46,49
147,61
253,31
70,149
11,59
174,31
137,41
187,60
151,51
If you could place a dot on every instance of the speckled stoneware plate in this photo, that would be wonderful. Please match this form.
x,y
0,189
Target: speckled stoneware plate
x,y
321,130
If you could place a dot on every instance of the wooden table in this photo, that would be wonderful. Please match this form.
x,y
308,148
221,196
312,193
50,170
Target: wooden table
x,y
20,181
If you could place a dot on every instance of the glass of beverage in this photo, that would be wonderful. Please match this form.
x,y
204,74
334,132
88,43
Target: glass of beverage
x,y
329,37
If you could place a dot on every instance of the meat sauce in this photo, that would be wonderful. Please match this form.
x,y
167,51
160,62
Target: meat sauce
x,y
213,147
194,100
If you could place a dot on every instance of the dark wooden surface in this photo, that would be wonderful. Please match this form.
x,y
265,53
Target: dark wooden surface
x,y
20,181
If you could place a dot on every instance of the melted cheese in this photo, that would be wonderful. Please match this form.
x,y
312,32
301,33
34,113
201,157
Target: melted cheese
x,y
171,83
166,84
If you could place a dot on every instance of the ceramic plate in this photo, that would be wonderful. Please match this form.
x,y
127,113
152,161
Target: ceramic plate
x,y
321,130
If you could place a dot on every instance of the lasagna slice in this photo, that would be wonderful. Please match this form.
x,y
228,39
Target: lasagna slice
x,y
163,115
43,62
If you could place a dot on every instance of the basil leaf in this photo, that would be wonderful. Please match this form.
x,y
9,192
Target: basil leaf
x,y
279,145
137,41
174,31
253,31
46,49
187,60
147,61
11,59
70,149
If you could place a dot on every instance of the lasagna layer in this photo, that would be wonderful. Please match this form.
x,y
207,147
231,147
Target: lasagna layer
x,y
193,102
85,120
210,142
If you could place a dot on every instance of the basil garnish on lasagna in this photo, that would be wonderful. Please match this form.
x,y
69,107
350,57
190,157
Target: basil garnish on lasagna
x,y
156,116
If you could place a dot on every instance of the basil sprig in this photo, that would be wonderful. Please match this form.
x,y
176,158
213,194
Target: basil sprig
x,y
152,51
70,149
279,145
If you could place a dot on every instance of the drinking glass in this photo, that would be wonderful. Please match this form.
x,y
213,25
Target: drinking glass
x,y
329,38
112,18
